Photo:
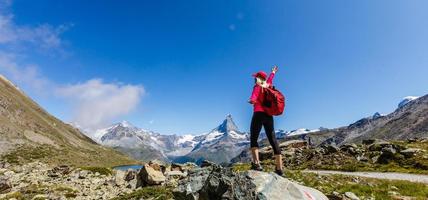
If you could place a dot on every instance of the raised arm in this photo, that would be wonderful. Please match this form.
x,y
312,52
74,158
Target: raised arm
x,y
272,75
270,78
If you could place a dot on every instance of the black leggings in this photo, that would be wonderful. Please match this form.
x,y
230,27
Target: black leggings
x,y
262,119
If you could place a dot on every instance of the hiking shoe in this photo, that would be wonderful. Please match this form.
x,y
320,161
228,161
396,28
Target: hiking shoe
x,y
256,167
279,172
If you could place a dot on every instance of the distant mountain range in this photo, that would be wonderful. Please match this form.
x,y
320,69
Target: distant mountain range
x,y
30,133
226,141
409,120
218,145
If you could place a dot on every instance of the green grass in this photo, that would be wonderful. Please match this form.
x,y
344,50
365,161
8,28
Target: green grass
x,y
16,195
362,187
27,154
101,170
64,189
158,193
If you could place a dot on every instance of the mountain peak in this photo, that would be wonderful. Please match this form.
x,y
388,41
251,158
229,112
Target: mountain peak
x,y
124,124
227,125
406,100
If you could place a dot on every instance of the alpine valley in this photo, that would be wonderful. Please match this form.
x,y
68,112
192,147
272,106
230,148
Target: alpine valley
x,y
226,141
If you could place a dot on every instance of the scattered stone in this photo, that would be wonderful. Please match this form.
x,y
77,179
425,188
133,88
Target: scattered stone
x,y
119,177
150,176
335,196
176,167
371,141
393,193
130,175
329,149
40,196
351,196
398,197
4,186
9,173
83,174
378,146
410,152
176,174
207,163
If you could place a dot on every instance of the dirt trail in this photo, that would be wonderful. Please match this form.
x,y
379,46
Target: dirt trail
x,y
380,175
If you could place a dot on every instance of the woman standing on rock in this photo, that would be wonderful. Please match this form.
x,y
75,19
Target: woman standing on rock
x,y
262,119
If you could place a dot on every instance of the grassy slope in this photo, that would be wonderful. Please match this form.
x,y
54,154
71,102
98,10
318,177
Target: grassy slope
x,y
30,133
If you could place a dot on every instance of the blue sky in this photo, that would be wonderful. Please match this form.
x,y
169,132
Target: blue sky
x,y
182,66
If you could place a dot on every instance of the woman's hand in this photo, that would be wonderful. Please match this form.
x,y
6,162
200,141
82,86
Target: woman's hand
x,y
274,69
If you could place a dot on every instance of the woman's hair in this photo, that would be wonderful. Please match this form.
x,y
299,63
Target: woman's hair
x,y
260,81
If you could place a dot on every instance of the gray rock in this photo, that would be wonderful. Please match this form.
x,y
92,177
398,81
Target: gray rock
x,y
119,177
270,186
329,149
351,196
130,175
4,186
410,152
83,174
189,188
378,146
215,182
176,174
150,176
207,163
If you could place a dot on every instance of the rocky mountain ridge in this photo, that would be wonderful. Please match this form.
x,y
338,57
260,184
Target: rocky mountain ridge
x,y
408,121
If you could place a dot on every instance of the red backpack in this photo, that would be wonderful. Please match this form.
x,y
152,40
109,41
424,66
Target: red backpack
x,y
274,101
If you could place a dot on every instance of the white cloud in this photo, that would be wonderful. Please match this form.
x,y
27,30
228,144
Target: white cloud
x,y
24,74
94,102
97,104
17,42
43,37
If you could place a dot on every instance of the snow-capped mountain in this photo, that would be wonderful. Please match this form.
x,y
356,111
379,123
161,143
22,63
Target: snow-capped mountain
x,y
406,100
221,144
398,125
281,134
144,145
302,131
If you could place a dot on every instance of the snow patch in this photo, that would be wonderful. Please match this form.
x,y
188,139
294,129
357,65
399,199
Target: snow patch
x,y
302,131
185,138
407,100
212,136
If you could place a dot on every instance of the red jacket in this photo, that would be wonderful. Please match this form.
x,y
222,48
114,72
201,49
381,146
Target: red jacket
x,y
256,98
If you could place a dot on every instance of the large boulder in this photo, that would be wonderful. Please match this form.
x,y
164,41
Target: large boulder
x,y
189,187
273,187
410,152
158,165
150,176
215,182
